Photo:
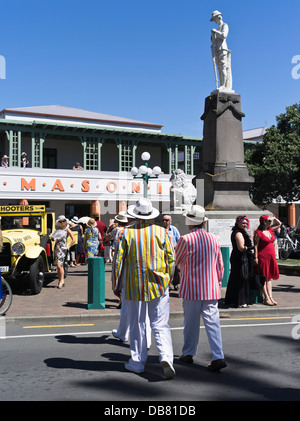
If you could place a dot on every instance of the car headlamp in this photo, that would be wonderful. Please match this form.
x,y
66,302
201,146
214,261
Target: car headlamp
x,y
18,248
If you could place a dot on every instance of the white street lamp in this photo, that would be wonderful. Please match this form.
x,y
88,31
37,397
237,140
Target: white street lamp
x,y
145,172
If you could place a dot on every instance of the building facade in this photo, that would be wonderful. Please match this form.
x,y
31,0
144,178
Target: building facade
x,y
55,138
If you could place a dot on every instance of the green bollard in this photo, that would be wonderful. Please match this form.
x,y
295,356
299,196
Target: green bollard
x,y
96,283
226,262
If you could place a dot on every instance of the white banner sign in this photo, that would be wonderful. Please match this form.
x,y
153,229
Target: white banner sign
x,y
47,184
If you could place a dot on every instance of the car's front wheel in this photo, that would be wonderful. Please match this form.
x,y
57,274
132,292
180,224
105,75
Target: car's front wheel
x,y
36,275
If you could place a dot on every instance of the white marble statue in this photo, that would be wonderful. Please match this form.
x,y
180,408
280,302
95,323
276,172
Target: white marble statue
x,y
220,53
180,195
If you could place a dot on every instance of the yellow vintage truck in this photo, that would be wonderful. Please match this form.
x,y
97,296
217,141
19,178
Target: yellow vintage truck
x,y
27,246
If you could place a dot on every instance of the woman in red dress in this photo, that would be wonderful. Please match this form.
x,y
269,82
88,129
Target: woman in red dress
x,y
264,254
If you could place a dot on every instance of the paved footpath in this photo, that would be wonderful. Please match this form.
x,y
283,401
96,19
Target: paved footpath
x,y
70,302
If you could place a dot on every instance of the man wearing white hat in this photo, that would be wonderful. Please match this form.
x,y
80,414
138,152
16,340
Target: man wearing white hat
x,y
122,333
199,254
146,253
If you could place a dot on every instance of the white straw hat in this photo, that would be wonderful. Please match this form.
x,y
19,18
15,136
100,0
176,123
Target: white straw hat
x,y
91,223
143,209
196,215
121,217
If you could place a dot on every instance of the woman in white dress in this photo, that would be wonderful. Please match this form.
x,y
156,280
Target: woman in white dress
x,y
61,248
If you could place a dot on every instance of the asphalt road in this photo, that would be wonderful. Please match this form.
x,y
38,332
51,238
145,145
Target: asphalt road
x,y
85,363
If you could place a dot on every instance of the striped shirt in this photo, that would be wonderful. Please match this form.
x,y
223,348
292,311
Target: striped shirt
x,y
201,270
146,252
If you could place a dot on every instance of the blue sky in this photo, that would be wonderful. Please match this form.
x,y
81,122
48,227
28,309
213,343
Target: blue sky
x,y
148,60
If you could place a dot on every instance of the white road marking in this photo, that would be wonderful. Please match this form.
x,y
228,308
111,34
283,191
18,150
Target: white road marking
x,y
103,332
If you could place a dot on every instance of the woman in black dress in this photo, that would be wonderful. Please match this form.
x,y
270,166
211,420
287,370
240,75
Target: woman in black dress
x,y
78,248
237,293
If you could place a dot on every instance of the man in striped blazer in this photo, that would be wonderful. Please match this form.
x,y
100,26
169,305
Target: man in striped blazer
x,y
199,256
146,254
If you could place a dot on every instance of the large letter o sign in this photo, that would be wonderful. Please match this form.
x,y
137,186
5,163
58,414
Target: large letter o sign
x,y
111,186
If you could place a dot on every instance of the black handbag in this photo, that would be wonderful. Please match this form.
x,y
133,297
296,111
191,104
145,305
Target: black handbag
x,y
245,265
257,281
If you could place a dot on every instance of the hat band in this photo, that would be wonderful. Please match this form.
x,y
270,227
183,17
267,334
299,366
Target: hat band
x,y
145,214
195,216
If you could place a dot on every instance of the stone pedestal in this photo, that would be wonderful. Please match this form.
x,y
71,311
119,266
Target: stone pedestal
x,y
221,223
224,172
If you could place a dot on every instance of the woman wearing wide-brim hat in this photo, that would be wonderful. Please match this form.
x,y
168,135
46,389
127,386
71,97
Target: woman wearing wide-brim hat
x,y
111,235
61,248
121,221
92,238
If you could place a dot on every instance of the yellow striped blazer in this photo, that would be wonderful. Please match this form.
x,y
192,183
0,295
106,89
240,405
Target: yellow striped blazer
x,y
146,254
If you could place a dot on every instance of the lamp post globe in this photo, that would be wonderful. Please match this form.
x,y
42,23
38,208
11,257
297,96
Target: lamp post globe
x,y
145,156
145,172
156,171
143,169
134,171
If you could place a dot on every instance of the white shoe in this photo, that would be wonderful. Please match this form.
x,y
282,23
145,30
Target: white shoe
x,y
168,368
114,333
133,369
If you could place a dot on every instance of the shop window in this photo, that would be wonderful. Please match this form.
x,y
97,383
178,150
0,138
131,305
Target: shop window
x,y
92,154
126,156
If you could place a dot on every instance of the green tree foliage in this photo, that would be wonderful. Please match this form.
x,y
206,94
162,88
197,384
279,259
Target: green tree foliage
x,y
275,163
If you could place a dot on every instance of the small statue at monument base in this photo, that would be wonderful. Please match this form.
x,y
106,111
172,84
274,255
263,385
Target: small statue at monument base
x,y
180,197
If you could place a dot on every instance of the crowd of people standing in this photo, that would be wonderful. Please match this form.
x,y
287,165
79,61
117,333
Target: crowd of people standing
x,y
86,240
145,259
89,237
143,268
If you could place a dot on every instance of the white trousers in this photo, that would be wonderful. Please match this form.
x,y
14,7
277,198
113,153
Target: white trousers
x,y
158,311
209,311
123,329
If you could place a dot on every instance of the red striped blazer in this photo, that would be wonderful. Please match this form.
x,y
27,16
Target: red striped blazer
x,y
201,265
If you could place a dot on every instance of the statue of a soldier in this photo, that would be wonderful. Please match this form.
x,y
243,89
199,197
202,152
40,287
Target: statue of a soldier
x,y
220,53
